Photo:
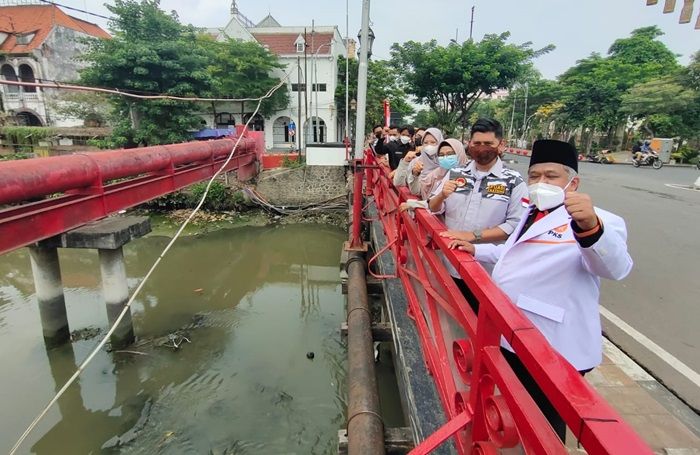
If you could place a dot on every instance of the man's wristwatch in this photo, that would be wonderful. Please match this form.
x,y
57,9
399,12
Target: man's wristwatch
x,y
477,235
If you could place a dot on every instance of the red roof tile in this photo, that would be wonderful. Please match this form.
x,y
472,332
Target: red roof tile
x,y
39,19
283,43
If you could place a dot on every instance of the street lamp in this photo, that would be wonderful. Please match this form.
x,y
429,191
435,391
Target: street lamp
x,y
370,39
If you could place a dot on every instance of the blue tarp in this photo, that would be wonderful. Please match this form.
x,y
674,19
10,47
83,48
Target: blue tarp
x,y
211,133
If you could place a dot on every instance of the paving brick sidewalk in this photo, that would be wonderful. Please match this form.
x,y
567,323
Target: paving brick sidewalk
x,y
665,423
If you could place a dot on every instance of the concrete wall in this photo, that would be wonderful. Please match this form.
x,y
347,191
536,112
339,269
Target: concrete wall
x,y
332,154
60,62
310,184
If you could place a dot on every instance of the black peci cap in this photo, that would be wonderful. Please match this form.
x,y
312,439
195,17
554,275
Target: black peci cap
x,y
551,151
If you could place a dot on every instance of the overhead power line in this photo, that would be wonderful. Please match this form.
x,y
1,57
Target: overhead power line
x,y
76,9
116,91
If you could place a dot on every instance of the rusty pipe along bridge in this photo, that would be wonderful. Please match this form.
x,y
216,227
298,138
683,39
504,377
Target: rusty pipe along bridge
x,y
484,408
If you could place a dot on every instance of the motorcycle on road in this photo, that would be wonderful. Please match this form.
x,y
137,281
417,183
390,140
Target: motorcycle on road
x,y
604,157
650,159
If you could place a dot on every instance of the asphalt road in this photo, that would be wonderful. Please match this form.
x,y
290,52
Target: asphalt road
x,y
661,297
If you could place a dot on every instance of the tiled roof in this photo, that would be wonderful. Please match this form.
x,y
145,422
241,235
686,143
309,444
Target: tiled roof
x,y
39,19
269,21
283,43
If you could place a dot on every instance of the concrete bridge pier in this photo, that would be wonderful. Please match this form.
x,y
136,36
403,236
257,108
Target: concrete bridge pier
x,y
116,294
107,236
49,292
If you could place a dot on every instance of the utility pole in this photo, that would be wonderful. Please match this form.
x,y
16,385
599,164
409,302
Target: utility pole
x,y
300,126
306,96
471,24
313,78
527,90
362,83
347,70
512,117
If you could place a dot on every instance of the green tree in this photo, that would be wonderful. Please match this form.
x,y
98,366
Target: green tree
x,y
593,88
151,52
425,118
382,83
93,108
451,79
541,95
668,106
242,69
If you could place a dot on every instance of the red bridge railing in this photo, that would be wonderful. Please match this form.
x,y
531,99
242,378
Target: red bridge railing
x,y
486,406
55,194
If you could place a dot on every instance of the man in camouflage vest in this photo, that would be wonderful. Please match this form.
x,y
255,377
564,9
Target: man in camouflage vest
x,y
484,201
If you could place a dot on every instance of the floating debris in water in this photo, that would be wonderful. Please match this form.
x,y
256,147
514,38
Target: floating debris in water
x,y
86,333
310,355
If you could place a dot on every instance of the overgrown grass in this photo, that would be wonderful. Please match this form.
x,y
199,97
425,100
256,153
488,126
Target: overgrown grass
x,y
24,138
219,198
292,163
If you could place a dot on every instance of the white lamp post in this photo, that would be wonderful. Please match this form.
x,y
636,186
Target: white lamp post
x,y
366,39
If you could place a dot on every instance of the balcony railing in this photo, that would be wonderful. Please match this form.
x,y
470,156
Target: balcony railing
x,y
17,97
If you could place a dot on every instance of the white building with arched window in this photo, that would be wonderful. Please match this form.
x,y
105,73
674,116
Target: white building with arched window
x,y
309,55
39,42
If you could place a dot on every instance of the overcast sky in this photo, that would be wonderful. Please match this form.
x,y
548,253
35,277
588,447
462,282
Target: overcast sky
x,y
575,27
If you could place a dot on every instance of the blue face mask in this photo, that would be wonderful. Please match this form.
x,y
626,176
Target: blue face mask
x,y
448,162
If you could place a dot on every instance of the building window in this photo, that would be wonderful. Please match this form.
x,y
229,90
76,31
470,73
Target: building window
x,y
300,47
319,88
25,38
298,87
8,73
224,120
26,74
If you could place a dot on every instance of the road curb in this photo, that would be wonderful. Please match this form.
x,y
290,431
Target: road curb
x,y
676,407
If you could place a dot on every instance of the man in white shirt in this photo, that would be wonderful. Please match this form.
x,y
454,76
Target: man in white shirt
x,y
552,264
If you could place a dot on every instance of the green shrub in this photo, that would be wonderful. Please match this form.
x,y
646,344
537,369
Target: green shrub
x,y
218,198
289,162
685,154
15,156
173,201
24,138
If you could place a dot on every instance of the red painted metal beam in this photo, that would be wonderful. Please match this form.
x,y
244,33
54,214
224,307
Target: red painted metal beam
x,y
496,420
84,190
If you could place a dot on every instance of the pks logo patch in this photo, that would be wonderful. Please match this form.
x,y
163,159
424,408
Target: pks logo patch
x,y
559,231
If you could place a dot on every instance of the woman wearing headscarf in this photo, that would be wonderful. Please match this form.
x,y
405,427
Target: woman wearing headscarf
x,y
451,154
413,168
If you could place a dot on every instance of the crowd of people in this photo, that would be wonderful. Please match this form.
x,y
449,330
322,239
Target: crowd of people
x,y
542,240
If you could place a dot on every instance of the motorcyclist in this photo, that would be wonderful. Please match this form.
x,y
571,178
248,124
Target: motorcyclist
x,y
644,152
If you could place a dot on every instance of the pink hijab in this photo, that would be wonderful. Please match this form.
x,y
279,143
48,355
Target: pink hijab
x,y
430,181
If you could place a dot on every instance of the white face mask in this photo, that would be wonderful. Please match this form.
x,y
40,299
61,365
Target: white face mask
x,y
546,196
392,138
405,139
430,150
